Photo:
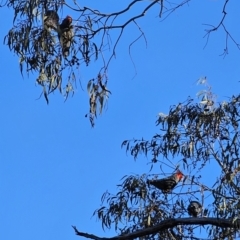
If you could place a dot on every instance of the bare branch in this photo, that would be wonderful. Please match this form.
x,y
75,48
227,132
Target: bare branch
x,y
166,224
221,24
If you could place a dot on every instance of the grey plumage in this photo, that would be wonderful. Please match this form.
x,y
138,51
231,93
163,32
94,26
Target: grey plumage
x,y
194,208
66,35
51,20
167,184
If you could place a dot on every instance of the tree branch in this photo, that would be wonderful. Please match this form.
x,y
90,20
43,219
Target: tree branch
x,y
221,23
169,223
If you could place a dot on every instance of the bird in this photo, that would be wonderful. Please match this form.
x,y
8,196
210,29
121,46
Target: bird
x,y
65,35
194,208
51,20
66,23
167,184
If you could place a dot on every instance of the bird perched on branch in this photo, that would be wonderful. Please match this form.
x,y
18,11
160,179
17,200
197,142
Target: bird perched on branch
x,y
51,21
167,184
65,35
194,208
66,23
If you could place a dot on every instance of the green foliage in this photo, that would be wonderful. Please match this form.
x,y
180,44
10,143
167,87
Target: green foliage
x,y
39,50
137,206
98,96
194,137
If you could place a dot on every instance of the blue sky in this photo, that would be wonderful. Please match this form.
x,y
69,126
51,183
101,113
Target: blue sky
x,y
54,167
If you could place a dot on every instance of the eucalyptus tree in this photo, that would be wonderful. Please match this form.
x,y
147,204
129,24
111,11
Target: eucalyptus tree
x,y
200,142
40,48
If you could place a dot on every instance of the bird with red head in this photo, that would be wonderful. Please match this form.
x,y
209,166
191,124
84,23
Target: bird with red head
x,y
167,184
65,35
66,23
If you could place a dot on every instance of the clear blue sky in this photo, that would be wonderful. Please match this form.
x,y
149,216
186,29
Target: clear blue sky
x,y
53,166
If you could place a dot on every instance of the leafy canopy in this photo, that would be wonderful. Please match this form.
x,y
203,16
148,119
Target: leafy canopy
x,y
40,51
197,138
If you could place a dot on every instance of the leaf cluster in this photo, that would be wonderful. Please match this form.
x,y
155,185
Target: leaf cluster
x,y
195,137
138,206
39,49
